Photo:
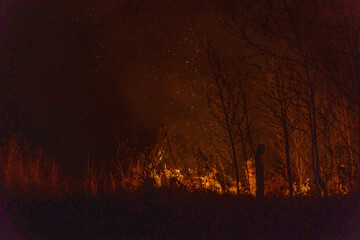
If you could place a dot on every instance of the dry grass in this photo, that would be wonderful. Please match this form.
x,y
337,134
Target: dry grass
x,y
26,171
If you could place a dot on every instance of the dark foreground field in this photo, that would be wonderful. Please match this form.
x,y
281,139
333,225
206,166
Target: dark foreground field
x,y
169,214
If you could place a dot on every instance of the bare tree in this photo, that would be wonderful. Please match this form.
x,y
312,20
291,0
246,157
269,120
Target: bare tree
x,y
283,30
227,103
279,99
341,54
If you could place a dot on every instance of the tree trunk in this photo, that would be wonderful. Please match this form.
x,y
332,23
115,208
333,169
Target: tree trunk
x,y
355,59
246,181
235,162
316,182
358,141
288,166
357,75
316,149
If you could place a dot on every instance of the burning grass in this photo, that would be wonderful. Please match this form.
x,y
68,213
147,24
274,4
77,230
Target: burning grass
x,y
25,171
145,199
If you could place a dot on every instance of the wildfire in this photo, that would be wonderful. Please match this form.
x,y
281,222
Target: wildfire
x,y
25,171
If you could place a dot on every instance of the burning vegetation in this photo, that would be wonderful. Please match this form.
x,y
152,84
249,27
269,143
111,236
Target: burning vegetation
x,y
24,172
233,76
151,118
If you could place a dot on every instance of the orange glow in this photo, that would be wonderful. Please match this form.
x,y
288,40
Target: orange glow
x,y
28,172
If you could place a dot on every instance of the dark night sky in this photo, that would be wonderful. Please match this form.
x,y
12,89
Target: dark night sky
x,y
75,75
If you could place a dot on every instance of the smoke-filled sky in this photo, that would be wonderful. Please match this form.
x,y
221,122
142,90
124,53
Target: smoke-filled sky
x,y
77,75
